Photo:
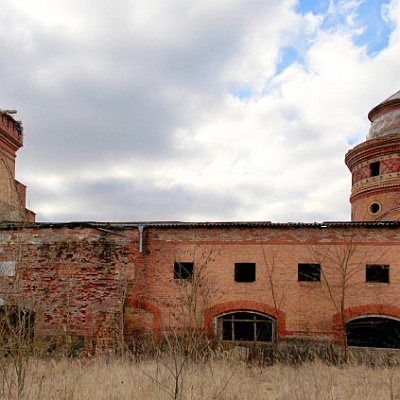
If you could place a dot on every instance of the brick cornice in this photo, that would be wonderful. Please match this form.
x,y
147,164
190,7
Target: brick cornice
x,y
10,132
371,149
368,187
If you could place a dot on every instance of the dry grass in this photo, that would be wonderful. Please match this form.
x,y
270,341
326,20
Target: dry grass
x,y
217,379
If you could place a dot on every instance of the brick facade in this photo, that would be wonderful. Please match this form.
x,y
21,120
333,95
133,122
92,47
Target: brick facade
x,y
91,281
104,284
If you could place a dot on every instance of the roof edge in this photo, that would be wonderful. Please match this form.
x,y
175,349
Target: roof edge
x,y
189,225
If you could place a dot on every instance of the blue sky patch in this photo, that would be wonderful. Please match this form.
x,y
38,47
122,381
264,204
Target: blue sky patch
x,y
377,31
315,7
288,56
242,93
367,16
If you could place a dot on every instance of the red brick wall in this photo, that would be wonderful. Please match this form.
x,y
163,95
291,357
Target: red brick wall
x,y
74,277
302,308
389,201
70,277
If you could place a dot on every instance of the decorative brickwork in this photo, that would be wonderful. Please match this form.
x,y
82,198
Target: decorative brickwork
x,y
375,166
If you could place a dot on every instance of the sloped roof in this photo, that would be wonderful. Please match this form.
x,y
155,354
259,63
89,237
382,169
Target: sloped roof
x,y
385,118
393,100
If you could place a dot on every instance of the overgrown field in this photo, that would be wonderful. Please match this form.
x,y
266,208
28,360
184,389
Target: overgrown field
x,y
168,378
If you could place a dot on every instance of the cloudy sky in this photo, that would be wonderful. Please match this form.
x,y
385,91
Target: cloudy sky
x,y
200,110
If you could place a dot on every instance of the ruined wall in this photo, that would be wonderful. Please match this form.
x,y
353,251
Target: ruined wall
x,y
73,279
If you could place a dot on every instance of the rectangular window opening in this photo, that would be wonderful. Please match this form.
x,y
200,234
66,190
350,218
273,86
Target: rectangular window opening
x,y
245,272
374,168
183,270
309,273
377,273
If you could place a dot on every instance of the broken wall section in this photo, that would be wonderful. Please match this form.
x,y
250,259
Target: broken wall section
x,y
74,280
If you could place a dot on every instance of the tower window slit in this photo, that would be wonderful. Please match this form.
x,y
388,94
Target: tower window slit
x,y
374,168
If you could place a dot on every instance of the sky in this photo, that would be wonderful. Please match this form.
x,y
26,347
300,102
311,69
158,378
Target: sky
x,y
200,110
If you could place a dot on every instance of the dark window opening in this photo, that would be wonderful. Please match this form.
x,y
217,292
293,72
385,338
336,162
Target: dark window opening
x,y
245,272
377,273
245,327
309,272
17,326
183,270
374,168
374,332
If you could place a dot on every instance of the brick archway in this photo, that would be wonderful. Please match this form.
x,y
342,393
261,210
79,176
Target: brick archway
x,y
148,307
240,305
360,311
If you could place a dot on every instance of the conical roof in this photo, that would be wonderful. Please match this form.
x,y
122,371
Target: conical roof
x,y
385,118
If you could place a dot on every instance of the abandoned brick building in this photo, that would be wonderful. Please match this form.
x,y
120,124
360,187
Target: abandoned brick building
x,y
241,282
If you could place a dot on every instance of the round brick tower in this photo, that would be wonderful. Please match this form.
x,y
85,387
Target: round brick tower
x,y
375,166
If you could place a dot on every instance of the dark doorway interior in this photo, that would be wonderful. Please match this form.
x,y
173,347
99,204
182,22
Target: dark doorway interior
x,y
374,332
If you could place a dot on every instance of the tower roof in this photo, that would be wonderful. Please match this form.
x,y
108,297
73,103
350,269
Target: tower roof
x,y
385,118
393,97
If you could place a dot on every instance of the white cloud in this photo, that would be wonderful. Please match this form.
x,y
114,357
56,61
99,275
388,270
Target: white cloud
x,y
176,110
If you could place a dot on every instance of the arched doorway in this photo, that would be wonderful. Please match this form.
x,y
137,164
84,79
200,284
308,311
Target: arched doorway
x,y
246,326
374,331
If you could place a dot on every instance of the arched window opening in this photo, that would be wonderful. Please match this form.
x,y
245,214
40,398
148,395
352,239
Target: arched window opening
x,y
16,327
245,326
374,332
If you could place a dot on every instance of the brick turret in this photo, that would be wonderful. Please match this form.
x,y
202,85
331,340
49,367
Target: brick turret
x,y
12,192
11,139
375,166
